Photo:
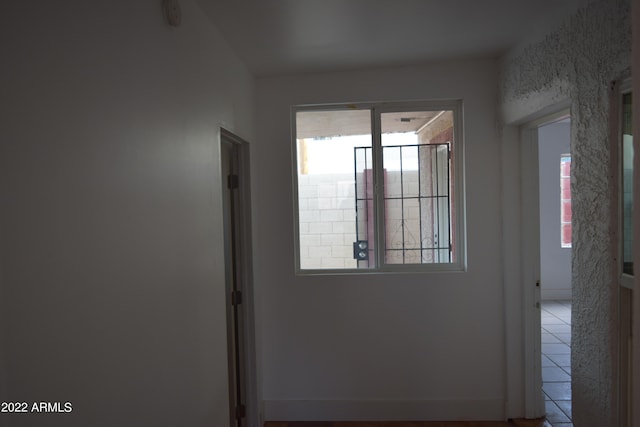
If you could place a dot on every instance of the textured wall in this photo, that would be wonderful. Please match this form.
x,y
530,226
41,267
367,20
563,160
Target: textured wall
x,y
578,61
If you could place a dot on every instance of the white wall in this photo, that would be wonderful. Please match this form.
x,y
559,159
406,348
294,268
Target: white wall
x,y
394,346
555,261
111,249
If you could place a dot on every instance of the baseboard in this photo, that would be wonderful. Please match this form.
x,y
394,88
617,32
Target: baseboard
x,y
384,410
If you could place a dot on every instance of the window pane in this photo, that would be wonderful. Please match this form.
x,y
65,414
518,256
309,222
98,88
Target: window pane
x,y
416,147
565,201
335,189
364,243
627,185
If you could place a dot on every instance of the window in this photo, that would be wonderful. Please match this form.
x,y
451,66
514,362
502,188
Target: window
x,y
565,201
379,187
627,185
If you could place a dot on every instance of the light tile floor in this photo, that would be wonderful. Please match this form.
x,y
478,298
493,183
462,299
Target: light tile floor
x,y
556,361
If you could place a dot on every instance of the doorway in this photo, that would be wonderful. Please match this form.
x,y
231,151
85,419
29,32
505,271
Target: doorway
x,y
545,217
234,166
554,170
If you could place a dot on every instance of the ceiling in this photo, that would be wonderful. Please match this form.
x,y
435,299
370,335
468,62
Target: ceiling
x,y
275,37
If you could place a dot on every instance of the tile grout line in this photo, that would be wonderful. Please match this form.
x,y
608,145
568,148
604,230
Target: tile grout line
x,y
557,314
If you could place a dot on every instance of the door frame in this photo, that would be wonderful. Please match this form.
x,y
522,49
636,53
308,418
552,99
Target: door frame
x,y
530,260
240,151
624,284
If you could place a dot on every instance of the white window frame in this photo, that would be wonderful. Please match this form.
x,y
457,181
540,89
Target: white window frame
x,y
457,200
626,280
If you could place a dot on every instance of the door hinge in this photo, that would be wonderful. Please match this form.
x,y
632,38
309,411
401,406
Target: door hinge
x,y
236,297
537,283
241,411
232,181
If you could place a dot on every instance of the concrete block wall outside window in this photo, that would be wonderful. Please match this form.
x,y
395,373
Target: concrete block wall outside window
x,y
327,216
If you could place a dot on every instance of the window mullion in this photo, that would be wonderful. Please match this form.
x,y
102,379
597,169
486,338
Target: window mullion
x,y
378,194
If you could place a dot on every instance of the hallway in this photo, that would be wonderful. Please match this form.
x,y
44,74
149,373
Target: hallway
x,y
556,361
